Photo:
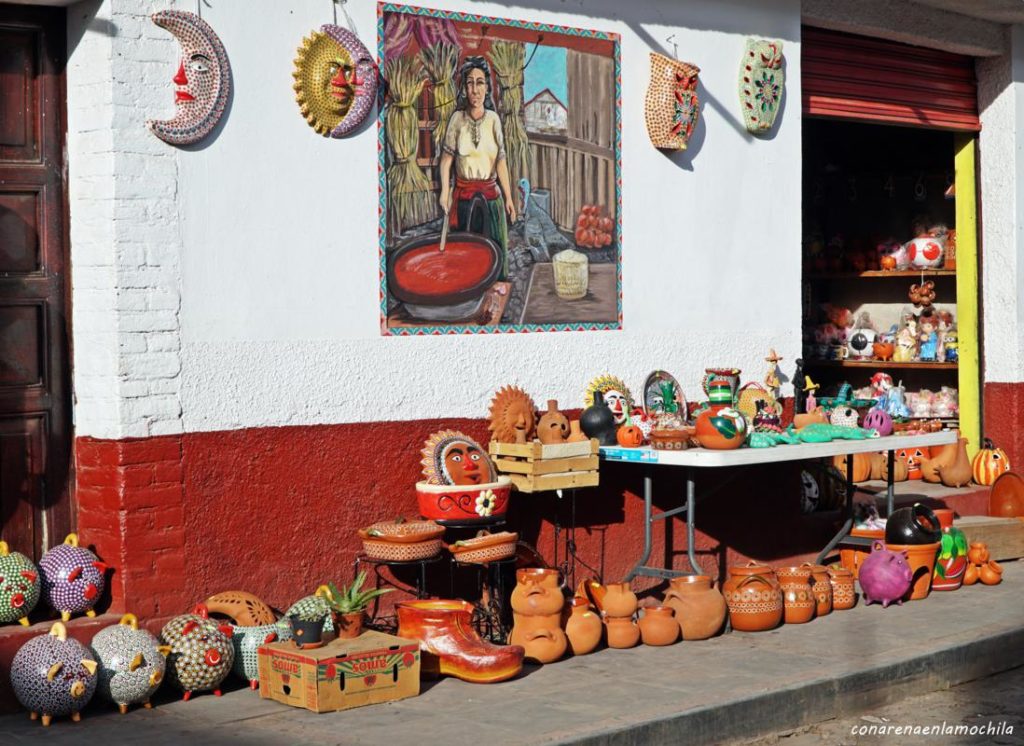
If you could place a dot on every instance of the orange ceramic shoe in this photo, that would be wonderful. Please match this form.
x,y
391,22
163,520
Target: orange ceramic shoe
x,y
452,647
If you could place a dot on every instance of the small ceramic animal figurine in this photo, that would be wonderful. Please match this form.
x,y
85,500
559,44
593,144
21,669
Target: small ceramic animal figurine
x,y
451,457
53,674
132,663
73,578
885,576
19,586
201,652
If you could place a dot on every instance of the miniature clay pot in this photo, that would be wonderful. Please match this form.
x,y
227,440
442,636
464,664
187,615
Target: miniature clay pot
x,y
658,626
699,608
537,592
945,516
20,586
921,559
720,428
583,627
991,573
844,592
464,503
952,561
915,525
307,634
821,586
754,597
622,632
350,625
73,578
619,600
541,636
575,433
798,599
53,674
971,574
977,553
553,426
132,663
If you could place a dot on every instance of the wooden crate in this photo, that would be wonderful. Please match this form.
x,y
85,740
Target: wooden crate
x,y
1004,536
535,467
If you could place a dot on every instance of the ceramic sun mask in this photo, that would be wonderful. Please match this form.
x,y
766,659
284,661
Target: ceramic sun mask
x,y
450,457
616,396
512,409
202,83
335,81
761,83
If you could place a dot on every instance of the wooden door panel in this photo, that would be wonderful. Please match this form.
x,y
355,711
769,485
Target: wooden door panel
x,y
19,238
22,450
19,72
22,343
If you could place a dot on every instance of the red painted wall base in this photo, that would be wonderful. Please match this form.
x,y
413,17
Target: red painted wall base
x,y
1004,420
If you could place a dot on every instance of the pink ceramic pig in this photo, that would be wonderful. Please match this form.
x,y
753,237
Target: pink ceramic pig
x,y
885,575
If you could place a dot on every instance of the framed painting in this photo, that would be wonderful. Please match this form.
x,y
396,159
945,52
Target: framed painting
x,y
499,175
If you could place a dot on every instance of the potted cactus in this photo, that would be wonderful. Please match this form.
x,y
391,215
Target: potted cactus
x,y
349,604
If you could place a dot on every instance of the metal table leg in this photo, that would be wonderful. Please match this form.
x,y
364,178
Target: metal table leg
x,y
890,490
648,496
847,513
691,504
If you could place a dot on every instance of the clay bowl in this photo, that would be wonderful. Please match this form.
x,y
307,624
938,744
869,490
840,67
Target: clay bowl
x,y
1007,496
443,286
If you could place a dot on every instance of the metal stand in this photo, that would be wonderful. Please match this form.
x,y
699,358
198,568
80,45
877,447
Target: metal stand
x,y
417,591
491,615
641,567
567,567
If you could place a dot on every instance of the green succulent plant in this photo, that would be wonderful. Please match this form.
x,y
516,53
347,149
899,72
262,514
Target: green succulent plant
x,y
352,598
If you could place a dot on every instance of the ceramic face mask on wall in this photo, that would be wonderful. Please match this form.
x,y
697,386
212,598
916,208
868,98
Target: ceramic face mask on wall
x,y
761,83
671,106
335,81
202,82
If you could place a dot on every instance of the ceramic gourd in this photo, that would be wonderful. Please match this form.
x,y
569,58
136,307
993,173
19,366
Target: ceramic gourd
x,y
583,627
989,463
53,675
977,553
201,652
20,586
658,626
720,428
885,576
699,608
132,663
73,578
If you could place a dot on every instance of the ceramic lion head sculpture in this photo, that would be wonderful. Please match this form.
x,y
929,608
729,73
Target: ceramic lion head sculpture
x,y
451,457
512,409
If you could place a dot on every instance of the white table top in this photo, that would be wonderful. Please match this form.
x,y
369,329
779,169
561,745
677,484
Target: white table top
x,y
794,452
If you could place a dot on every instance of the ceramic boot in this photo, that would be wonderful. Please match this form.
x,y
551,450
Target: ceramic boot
x,y
452,647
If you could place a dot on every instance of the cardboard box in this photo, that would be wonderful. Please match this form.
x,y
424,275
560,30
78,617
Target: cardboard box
x,y
371,668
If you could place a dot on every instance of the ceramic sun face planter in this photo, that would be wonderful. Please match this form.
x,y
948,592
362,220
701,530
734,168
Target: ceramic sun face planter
x,y
53,675
201,652
132,663
466,504
73,578
20,586
671,107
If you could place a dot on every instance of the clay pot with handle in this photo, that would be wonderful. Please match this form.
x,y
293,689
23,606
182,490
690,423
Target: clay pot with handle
x,y
754,598
797,596
622,632
537,592
699,608
658,626
583,627
619,600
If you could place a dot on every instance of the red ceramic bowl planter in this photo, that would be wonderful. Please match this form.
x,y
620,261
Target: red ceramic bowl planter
x,y
464,503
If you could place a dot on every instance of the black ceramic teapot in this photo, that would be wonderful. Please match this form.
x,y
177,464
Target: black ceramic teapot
x,y
916,525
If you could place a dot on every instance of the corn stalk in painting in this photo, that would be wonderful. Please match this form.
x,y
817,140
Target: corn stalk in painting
x,y
440,61
410,200
508,58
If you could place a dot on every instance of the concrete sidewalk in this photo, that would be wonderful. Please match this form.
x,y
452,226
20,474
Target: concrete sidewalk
x,y
739,685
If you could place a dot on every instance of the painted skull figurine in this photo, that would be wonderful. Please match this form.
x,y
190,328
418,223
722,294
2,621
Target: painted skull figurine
x,y
451,457
201,651
19,586
73,578
132,663
202,83
53,674
616,395
335,81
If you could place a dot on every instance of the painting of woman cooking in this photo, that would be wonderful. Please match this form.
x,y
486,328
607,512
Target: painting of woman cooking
x,y
500,195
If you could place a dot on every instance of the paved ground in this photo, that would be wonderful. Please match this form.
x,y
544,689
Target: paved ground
x,y
735,686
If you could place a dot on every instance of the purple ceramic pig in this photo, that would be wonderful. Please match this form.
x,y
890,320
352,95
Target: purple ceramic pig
x,y
73,578
885,575
53,675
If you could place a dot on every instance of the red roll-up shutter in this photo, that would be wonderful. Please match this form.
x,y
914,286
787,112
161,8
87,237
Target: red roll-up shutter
x,y
856,77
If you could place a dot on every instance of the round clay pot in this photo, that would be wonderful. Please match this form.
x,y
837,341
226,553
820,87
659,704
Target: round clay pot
x,y
977,553
541,636
583,627
921,558
699,608
971,574
822,589
797,597
350,625
991,573
537,592
622,632
844,594
720,428
852,557
754,598
945,516
619,600
658,626
914,525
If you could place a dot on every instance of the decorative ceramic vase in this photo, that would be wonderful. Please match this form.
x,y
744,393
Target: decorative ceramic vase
x,y
53,674
541,636
720,428
671,107
822,589
945,517
885,576
761,83
991,573
553,426
247,641
916,525
451,646
754,597
622,632
699,608
921,560
798,599
952,560
619,600
73,578
977,553
310,608
479,503
575,433
717,377
844,592
537,592
583,627
201,652
20,586
658,626
132,663
597,421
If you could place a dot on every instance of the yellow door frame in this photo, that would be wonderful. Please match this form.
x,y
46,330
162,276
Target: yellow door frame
x,y
968,327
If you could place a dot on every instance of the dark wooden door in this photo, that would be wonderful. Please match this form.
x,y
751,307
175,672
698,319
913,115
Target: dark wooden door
x,y
35,427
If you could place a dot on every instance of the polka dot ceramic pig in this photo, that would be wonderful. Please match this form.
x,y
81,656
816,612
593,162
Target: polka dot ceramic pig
x,y
132,663
19,586
73,578
53,675
201,651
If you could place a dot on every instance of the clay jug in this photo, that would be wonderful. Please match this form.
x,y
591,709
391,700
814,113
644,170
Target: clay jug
x,y
754,598
553,426
699,607
991,573
977,554
822,589
575,433
597,421
844,594
619,600
916,525
541,636
622,632
658,626
957,474
583,627
537,592
952,561
798,599
671,106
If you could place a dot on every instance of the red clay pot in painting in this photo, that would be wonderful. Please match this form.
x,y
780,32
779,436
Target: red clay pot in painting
x,y
464,503
699,608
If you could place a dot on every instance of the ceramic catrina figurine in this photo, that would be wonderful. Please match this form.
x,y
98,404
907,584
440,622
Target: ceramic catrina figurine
x,y
513,415
19,586
202,83
201,652
761,83
132,663
335,81
53,675
671,107
73,578
451,457
616,395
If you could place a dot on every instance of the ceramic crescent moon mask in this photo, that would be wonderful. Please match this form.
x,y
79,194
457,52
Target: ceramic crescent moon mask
x,y
202,83
335,81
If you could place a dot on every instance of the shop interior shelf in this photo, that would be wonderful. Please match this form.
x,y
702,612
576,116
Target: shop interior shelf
x,y
882,273
877,364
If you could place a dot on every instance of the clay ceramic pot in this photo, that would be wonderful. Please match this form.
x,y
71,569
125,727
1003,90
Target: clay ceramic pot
x,y
537,592
597,421
754,598
921,559
844,593
132,663
798,599
1007,496
553,426
619,600
53,674
916,525
952,561
945,516
991,573
622,632
852,557
575,433
822,589
20,586
720,428
583,627
971,574
306,633
699,608
977,553
541,636
350,625
658,626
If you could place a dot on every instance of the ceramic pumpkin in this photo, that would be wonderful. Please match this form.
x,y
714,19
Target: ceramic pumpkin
x,y
19,586
913,458
629,436
721,428
989,463
861,466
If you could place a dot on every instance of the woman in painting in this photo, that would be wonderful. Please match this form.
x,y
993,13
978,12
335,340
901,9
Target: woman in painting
x,y
482,196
